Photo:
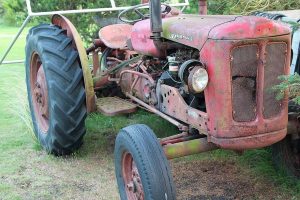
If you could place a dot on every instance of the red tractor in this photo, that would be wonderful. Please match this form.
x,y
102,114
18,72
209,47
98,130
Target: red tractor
x,y
208,75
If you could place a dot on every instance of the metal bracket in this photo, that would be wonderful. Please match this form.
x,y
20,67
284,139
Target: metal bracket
x,y
72,33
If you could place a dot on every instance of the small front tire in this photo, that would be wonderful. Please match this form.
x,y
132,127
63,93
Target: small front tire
x,y
141,167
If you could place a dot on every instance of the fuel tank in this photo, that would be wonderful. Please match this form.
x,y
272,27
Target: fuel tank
x,y
195,30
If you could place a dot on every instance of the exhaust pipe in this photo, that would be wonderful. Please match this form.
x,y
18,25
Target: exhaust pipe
x,y
202,7
155,19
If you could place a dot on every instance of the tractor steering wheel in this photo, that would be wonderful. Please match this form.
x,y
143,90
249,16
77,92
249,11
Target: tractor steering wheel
x,y
165,9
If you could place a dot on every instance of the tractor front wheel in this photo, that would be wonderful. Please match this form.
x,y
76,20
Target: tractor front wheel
x,y
286,153
55,89
142,169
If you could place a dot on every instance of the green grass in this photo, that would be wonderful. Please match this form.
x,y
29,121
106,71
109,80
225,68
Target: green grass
x,y
20,153
25,170
6,37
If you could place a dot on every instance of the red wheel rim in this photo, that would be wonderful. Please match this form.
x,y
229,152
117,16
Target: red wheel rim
x,y
133,182
39,92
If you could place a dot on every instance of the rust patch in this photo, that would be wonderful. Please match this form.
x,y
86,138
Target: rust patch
x,y
132,179
174,105
250,142
115,36
39,92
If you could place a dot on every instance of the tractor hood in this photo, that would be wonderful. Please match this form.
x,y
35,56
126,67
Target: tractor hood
x,y
194,30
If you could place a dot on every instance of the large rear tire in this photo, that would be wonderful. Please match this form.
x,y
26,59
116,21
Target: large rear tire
x,y
55,89
142,169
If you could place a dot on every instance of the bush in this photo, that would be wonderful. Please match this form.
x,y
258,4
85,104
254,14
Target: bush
x,y
13,11
245,7
88,23
292,85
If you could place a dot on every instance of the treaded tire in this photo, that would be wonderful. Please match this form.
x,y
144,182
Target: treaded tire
x,y
286,153
150,160
65,87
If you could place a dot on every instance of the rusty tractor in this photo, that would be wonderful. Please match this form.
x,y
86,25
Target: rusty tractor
x,y
210,76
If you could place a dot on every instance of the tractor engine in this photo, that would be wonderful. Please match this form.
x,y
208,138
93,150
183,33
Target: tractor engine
x,y
213,74
235,61
172,72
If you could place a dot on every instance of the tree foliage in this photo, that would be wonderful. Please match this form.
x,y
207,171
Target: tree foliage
x,y
290,84
14,11
245,7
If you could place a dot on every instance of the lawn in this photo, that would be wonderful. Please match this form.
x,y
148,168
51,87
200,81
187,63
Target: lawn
x,y
27,172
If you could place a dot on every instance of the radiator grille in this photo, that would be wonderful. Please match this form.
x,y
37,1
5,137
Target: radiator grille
x,y
244,64
274,67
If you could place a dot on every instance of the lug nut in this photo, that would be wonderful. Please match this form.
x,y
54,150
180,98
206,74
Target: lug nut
x,y
130,186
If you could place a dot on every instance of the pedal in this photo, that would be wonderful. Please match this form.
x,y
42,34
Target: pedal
x,y
111,106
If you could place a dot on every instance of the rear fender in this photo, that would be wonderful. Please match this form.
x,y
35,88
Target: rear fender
x,y
72,33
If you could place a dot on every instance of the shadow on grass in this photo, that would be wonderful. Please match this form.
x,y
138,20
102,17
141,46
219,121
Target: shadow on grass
x,y
102,130
257,162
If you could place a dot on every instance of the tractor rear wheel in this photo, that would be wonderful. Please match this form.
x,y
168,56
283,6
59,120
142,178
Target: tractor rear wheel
x,y
286,153
142,169
55,89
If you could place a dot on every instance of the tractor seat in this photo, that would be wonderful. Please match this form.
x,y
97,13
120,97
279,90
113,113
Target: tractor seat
x,y
115,36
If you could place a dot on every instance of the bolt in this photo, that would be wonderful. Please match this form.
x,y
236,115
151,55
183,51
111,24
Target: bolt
x,y
37,85
130,186
135,185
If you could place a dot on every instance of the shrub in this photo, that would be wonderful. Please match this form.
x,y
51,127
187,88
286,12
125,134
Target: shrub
x,y
13,11
292,85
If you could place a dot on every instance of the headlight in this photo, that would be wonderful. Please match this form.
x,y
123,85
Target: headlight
x,y
198,79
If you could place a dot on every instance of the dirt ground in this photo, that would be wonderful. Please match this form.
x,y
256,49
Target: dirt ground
x,y
44,177
218,180
27,172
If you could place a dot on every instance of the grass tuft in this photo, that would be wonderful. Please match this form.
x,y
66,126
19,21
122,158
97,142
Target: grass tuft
x,y
20,108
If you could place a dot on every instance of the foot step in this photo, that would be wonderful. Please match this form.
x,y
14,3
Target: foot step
x,y
111,106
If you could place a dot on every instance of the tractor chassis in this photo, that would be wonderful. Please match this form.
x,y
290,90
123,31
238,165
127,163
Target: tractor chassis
x,y
173,105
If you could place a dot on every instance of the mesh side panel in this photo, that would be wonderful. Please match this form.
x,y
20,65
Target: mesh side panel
x,y
245,60
244,71
274,67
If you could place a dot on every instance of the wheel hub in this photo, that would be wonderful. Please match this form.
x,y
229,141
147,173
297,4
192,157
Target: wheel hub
x,y
132,179
39,92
